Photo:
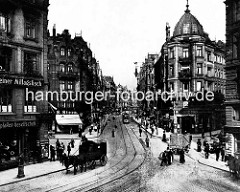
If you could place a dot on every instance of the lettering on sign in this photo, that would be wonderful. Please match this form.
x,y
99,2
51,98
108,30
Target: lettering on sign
x,y
17,124
21,82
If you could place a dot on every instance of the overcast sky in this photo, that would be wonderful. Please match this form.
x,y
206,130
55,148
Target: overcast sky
x,y
121,32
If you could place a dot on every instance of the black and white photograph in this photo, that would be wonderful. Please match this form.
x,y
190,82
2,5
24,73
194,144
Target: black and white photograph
x,y
119,95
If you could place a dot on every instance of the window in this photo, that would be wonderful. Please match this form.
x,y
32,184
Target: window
x,y
171,53
199,68
70,85
30,29
69,52
185,53
172,86
4,23
5,100
171,72
30,66
199,51
30,106
235,114
194,28
62,51
5,58
70,68
62,67
185,86
209,71
62,85
186,28
199,85
209,58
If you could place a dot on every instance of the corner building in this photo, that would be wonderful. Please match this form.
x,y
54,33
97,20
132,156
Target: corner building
x,y
189,63
23,67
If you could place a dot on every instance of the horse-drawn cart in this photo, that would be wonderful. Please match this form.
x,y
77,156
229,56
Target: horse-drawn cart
x,y
179,142
90,153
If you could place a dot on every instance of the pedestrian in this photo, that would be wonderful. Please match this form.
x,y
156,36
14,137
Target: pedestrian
x,y
72,143
61,151
140,131
169,156
52,153
90,129
164,139
223,154
68,149
217,151
182,157
71,131
98,128
147,141
57,147
206,149
164,159
113,135
199,144
190,140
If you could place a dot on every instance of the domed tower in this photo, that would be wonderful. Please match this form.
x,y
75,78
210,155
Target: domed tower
x,y
193,64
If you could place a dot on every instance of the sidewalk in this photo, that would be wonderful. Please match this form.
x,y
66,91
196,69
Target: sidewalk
x,y
193,154
40,169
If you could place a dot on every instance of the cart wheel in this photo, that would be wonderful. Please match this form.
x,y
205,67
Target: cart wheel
x,y
103,160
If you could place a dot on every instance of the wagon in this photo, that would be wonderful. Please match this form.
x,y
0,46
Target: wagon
x,y
179,142
90,153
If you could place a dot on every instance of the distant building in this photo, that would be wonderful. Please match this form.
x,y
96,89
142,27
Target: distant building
x,y
232,128
23,72
72,69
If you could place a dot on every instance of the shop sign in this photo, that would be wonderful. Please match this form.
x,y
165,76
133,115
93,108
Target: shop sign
x,y
21,82
18,124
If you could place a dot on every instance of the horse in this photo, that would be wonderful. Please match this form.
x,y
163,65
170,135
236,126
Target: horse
x,y
79,160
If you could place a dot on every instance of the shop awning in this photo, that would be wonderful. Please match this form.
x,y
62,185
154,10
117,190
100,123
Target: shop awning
x,y
72,119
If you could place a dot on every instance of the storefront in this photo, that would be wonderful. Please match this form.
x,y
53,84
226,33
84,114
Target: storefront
x,y
68,123
232,135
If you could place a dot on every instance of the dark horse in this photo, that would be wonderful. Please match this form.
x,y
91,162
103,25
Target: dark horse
x,y
76,161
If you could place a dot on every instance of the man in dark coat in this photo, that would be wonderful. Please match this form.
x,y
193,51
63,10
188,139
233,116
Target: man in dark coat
x,y
182,157
52,153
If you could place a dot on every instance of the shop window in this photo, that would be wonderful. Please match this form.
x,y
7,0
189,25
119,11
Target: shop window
x,y
4,24
30,66
5,58
5,101
30,103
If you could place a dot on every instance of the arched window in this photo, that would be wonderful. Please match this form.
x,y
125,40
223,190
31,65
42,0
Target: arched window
x,y
70,67
62,67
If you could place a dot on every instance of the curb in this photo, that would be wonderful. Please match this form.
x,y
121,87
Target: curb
x,y
44,174
213,166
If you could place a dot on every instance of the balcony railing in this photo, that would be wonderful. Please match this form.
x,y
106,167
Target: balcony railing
x,y
184,75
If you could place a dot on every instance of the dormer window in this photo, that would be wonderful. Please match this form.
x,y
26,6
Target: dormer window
x,y
186,28
194,28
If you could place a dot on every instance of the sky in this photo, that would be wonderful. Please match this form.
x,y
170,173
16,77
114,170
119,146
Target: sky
x,y
122,32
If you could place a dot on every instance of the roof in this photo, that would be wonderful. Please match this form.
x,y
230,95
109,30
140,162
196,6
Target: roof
x,y
188,25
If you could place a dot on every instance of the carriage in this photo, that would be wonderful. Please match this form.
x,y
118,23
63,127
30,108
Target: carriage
x,y
90,153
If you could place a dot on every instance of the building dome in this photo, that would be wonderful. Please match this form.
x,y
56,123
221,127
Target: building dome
x,y
188,25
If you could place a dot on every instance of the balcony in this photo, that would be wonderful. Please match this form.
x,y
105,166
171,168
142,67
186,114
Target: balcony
x,y
185,75
68,75
185,60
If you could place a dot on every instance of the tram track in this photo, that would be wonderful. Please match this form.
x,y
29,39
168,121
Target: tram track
x,y
103,178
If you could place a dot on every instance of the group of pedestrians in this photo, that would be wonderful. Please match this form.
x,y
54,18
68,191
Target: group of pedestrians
x,y
166,157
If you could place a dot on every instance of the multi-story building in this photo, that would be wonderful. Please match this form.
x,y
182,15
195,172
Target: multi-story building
x,y
232,128
72,69
110,90
190,63
23,72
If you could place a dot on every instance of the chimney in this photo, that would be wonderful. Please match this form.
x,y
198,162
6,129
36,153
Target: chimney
x,y
54,30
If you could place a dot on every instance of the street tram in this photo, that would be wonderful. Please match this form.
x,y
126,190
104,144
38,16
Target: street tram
x,y
125,118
